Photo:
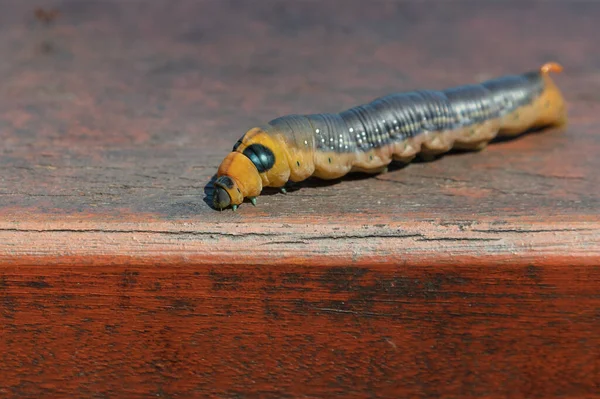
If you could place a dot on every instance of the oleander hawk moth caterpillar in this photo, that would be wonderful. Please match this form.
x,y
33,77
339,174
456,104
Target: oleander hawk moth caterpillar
x,y
397,127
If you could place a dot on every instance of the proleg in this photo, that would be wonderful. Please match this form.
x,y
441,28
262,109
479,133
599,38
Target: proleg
x,y
397,127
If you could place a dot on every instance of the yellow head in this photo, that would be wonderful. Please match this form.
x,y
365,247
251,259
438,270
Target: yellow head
x,y
257,160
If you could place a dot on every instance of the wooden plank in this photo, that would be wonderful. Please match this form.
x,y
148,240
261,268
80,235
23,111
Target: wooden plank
x,y
476,275
294,331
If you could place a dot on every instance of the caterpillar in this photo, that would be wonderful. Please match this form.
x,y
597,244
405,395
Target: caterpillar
x,y
397,127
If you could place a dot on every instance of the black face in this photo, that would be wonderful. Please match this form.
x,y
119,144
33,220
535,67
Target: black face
x,y
262,157
221,198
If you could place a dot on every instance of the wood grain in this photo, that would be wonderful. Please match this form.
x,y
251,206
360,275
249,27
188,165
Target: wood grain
x,y
300,331
473,276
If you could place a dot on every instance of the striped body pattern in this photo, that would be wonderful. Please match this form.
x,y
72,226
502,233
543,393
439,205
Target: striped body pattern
x,y
397,127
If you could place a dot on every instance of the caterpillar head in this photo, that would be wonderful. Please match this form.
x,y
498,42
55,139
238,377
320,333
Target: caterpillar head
x,y
257,161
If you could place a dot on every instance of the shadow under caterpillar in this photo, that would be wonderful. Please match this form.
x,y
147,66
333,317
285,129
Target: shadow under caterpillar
x,y
397,127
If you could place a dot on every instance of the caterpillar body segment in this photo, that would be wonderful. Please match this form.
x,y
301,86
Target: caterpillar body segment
x,y
396,127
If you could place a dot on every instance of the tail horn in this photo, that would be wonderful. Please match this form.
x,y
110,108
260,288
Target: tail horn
x,y
551,67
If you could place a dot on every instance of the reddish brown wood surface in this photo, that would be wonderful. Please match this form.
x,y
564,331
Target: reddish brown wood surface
x,y
477,275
